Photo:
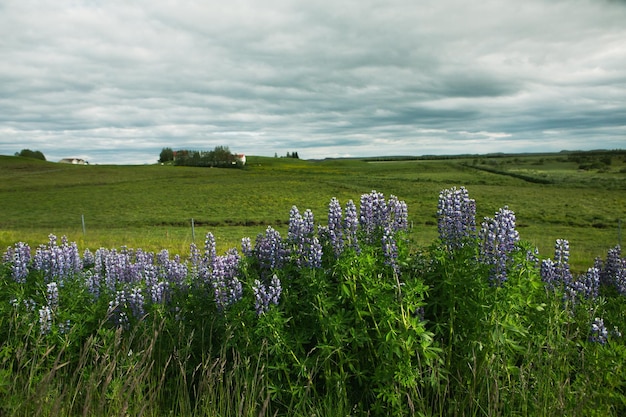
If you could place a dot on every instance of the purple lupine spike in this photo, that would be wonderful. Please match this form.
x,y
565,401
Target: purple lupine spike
x,y
351,226
136,303
163,257
591,283
305,247
390,249
210,251
313,256
270,250
374,214
561,258
227,288
116,311
308,221
52,295
45,320
18,257
548,274
296,225
266,295
366,213
57,262
613,273
335,226
599,333
398,211
620,277
456,214
89,260
92,282
246,246
498,241
176,272
195,261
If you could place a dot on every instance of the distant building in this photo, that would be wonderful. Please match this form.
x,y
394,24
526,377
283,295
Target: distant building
x,y
241,158
74,161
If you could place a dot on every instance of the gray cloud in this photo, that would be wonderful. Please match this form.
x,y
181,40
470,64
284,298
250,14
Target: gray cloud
x,y
116,81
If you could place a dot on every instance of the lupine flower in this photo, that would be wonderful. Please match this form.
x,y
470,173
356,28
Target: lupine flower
x,y
89,259
52,295
270,250
92,282
136,303
175,272
599,334
246,246
19,258
335,226
117,308
306,248
588,285
266,295
194,257
155,282
561,257
548,274
557,273
313,256
45,320
399,215
57,262
456,214
374,214
499,238
620,278
227,288
210,251
614,271
390,249
351,226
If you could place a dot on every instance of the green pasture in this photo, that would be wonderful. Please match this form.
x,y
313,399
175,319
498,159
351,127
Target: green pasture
x,y
151,206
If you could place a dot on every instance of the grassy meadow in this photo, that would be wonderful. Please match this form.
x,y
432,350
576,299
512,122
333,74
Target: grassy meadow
x,y
151,206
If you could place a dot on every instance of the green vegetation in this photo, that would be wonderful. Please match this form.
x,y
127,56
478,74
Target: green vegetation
x,y
27,153
342,316
219,157
151,207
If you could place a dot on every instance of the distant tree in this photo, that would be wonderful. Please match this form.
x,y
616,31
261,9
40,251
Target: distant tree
x,y
218,157
167,155
27,153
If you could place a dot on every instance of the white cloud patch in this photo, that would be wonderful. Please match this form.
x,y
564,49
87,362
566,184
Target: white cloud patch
x,y
115,81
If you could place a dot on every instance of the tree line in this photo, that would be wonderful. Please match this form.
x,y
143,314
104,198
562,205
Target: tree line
x,y
27,153
220,156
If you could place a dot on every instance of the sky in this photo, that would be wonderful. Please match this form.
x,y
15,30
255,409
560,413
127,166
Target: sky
x,y
116,81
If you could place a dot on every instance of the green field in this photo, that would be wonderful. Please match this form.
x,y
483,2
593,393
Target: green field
x,y
574,196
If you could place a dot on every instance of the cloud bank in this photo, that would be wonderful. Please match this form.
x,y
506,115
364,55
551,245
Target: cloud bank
x,y
116,81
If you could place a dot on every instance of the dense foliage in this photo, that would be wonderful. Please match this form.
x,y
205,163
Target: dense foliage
x,y
220,156
27,153
336,317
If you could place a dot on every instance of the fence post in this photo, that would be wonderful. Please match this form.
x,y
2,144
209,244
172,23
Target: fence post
x,y
193,231
82,218
619,232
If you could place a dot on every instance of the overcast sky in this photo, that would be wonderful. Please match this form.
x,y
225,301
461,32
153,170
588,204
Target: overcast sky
x,y
115,81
